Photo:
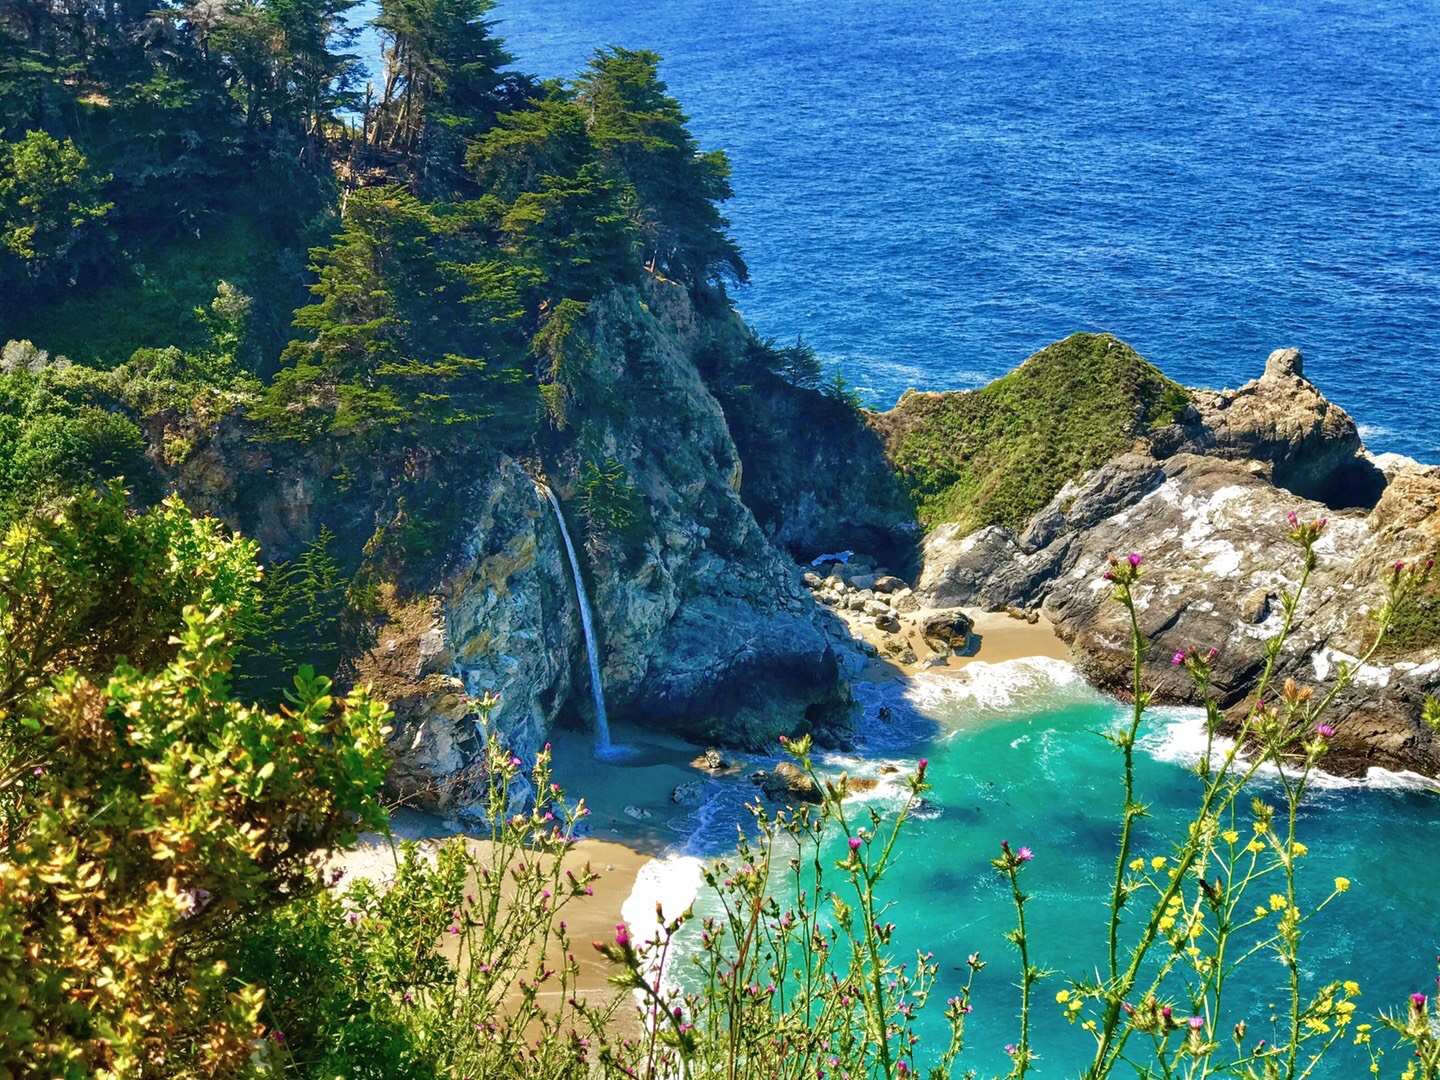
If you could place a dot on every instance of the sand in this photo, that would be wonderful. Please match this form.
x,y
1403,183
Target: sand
x,y
996,637
589,918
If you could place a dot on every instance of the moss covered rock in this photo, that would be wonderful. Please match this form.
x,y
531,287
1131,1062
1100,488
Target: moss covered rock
x,y
996,455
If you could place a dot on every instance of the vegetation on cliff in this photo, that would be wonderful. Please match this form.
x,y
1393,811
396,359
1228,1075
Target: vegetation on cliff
x,y
996,455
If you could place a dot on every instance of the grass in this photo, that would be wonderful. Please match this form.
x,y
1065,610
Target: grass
x,y
997,455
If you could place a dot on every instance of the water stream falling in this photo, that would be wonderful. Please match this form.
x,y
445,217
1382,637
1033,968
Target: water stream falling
x,y
597,692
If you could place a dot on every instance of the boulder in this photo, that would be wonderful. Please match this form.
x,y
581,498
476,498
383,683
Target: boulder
x,y
788,783
690,793
886,583
876,607
946,628
888,622
710,760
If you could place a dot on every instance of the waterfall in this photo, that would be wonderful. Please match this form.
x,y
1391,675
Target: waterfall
x,y
597,692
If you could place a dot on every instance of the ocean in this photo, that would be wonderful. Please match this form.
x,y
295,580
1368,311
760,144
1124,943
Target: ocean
x,y
928,192
1016,753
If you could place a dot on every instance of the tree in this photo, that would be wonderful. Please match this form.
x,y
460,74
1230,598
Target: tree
x,y
297,621
442,85
50,202
642,135
401,336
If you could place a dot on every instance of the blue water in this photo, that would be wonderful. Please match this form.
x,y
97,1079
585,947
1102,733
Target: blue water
x,y
1034,770
929,191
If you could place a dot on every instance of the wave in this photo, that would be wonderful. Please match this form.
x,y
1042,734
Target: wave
x,y
1182,738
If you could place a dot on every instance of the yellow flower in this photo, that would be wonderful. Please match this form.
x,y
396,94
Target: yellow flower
x,y
1194,951
1062,996
1351,987
1230,836
1158,862
1260,912
1254,847
1137,864
1298,849
1342,884
1278,902
1166,922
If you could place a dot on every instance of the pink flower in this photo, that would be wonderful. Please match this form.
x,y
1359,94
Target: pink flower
x,y
1134,560
1196,1023
1325,731
1418,1002
622,935
515,762
1024,854
1010,1049
854,843
1178,658
1293,518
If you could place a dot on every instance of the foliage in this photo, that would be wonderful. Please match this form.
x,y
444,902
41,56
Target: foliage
x,y
1416,623
144,815
381,356
997,455
297,621
50,201
641,134
461,966
610,501
87,583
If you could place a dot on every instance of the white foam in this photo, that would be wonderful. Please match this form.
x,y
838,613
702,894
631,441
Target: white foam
x,y
990,686
1181,739
670,883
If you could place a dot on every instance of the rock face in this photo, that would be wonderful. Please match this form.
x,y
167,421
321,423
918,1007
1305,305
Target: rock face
x,y
1212,533
816,474
705,628
1311,446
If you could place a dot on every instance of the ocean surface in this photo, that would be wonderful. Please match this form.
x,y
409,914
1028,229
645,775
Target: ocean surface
x,y
1017,755
928,191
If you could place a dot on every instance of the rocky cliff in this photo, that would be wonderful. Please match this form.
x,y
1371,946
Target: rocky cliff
x,y
1205,501
704,628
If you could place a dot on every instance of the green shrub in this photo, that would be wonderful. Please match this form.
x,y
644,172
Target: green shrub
x,y
997,455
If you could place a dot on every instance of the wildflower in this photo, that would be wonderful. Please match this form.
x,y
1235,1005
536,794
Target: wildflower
x,y
1158,862
1137,864
1278,902
1134,560
1196,1023
1230,836
1325,731
1024,854
278,1036
855,843
515,762
1178,658
1010,1048
1062,996
1418,1002
1342,884
1351,987
622,935
1298,849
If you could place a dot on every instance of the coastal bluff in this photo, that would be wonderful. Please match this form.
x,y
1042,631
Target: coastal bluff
x,y
700,479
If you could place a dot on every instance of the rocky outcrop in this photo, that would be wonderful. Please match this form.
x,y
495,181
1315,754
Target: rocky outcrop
x,y
1212,534
1311,446
816,474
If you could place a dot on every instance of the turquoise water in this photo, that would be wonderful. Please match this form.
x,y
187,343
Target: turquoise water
x,y
930,191
1029,766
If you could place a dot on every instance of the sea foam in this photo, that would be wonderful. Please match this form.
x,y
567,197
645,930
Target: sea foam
x,y
1180,738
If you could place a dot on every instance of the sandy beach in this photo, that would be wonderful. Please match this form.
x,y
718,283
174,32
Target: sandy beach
x,y
588,918
995,638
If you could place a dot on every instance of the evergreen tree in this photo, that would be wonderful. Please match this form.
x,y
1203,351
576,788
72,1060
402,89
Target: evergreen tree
x,y
642,135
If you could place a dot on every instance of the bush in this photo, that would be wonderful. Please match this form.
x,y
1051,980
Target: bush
x,y
145,817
